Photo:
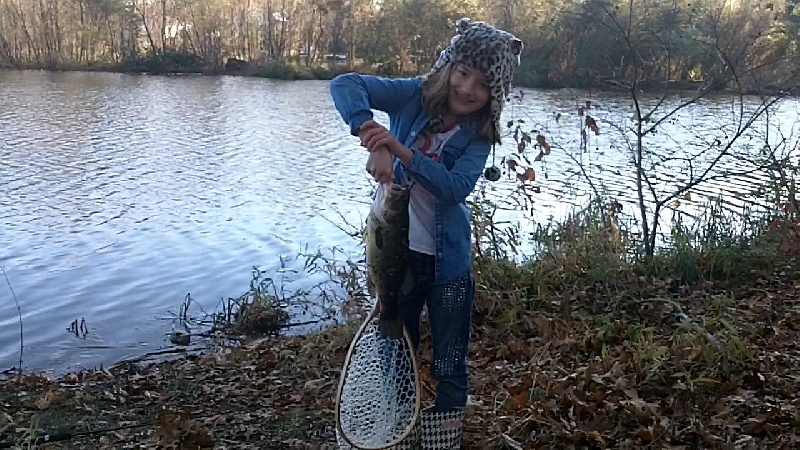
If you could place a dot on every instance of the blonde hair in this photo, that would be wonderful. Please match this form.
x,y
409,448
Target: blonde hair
x,y
435,92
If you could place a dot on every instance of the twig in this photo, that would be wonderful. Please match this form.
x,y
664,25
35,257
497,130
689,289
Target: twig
x,y
354,233
19,313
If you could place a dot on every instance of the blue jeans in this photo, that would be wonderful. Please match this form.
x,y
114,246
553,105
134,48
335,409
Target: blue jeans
x,y
450,317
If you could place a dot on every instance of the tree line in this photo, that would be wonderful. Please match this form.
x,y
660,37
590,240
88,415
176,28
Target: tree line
x,y
574,42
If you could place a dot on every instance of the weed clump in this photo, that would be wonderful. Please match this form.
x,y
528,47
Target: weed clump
x,y
258,312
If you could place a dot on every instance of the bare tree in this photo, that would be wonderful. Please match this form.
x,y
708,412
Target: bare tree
x,y
642,44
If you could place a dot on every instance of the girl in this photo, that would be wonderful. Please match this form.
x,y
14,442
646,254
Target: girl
x,y
442,127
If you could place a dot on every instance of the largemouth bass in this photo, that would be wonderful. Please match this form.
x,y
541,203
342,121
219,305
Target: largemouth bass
x,y
386,241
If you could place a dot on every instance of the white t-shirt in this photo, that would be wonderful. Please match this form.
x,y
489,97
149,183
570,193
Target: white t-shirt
x,y
422,232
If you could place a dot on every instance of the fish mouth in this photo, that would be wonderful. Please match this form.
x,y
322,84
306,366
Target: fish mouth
x,y
399,187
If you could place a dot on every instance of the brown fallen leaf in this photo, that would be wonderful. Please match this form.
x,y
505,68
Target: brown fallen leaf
x,y
540,139
46,400
528,175
179,431
71,378
645,434
592,125
512,165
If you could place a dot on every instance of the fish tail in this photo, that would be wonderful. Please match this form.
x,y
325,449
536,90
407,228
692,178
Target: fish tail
x,y
389,323
390,328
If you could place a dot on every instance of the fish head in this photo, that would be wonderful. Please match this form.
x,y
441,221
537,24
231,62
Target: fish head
x,y
395,201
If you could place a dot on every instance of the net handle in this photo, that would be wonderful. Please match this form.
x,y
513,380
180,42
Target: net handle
x,y
417,384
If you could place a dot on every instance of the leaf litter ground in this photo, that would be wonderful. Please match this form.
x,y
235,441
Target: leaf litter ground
x,y
685,368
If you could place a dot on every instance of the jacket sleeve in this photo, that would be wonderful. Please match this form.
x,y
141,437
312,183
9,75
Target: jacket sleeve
x,y
451,187
355,96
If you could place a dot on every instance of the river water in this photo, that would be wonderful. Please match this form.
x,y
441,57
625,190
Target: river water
x,y
120,194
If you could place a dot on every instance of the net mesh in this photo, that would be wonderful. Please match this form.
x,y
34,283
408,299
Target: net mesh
x,y
378,401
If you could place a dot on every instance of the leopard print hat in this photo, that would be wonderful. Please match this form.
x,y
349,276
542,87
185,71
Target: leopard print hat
x,y
496,53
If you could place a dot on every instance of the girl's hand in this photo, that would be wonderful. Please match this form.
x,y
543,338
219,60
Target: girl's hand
x,y
375,136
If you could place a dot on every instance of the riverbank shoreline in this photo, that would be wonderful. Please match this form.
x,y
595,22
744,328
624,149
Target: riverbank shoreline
x,y
706,365
293,72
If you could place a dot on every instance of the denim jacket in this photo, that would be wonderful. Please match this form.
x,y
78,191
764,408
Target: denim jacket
x,y
450,182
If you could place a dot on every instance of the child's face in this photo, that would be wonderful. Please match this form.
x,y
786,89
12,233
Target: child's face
x,y
469,90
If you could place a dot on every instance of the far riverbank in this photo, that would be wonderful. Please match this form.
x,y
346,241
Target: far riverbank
x,y
531,79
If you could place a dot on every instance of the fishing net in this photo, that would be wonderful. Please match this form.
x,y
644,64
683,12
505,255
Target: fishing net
x,y
379,393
